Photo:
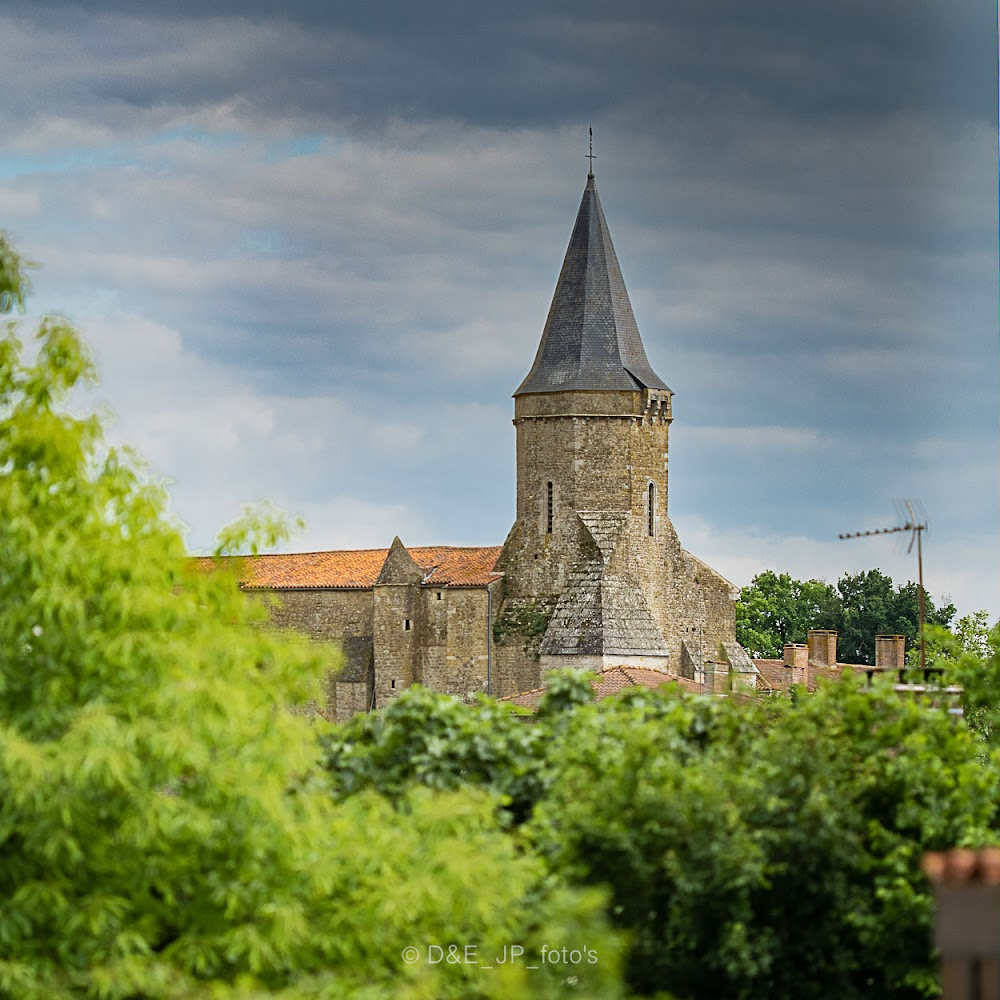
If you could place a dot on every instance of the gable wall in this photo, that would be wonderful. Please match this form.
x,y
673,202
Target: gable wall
x,y
444,649
454,653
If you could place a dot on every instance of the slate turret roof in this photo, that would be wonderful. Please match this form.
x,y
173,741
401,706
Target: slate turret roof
x,y
590,340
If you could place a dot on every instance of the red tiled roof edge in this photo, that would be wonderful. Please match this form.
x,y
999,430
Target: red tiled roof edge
x,y
963,865
604,684
358,569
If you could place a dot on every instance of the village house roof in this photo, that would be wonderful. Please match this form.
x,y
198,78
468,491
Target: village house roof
x,y
610,681
776,675
590,340
358,569
773,675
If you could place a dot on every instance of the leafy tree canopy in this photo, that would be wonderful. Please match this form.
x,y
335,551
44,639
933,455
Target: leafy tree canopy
x,y
751,848
14,283
970,658
775,609
164,829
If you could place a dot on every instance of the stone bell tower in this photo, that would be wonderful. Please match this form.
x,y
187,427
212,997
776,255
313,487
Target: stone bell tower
x,y
592,566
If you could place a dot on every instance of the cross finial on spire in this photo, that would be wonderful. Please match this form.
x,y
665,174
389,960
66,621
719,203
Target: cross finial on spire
x,y
590,155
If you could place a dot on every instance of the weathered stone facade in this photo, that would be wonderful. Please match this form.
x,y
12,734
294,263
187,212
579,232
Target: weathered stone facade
x,y
593,543
593,540
400,617
592,574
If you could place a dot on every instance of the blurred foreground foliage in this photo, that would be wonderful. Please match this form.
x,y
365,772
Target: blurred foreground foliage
x,y
169,829
166,827
752,848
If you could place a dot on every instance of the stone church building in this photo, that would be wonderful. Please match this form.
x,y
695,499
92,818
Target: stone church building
x,y
592,574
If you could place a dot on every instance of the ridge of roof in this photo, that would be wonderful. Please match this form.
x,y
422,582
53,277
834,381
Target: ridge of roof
x,y
590,340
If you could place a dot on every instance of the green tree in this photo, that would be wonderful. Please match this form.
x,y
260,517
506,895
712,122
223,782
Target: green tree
x,y
164,831
872,606
774,610
767,849
975,633
979,676
750,847
434,740
14,284
970,658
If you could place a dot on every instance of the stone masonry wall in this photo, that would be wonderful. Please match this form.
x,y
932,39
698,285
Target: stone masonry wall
x,y
514,669
600,450
454,652
603,451
343,617
445,647
397,637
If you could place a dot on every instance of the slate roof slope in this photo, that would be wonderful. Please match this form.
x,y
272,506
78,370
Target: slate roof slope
x,y
358,569
590,340
598,613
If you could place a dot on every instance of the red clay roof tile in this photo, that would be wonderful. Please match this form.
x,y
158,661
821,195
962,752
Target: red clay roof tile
x,y
773,674
358,569
612,680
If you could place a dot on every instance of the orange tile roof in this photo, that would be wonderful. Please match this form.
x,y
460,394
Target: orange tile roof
x,y
773,675
833,672
358,569
526,699
612,680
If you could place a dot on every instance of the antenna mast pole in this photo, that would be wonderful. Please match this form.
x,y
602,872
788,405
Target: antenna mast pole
x,y
917,529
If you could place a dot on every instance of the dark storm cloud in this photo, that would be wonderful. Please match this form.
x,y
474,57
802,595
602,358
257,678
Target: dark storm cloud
x,y
521,64
317,242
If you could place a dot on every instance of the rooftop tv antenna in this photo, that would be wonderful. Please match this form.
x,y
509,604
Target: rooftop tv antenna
x,y
916,527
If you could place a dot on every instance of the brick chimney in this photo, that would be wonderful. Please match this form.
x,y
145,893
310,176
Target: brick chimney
x,y
823,647
890,651
796,657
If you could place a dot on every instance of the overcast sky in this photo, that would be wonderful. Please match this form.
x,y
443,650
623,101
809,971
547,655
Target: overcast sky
x,y
313,246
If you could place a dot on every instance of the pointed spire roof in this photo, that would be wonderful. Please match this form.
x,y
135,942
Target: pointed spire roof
x,y
590,340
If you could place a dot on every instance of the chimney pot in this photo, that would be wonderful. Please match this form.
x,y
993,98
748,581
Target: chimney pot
x,y
890,651
796,654
796,657
823,647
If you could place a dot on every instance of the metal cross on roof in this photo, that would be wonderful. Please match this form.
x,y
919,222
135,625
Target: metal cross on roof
x,y
590,155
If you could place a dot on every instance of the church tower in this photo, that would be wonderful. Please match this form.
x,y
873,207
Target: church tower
x,y
593,570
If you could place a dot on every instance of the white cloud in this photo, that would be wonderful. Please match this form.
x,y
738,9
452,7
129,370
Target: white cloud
x,y
14,202
787,440
304,282
221,443
963,571
352,523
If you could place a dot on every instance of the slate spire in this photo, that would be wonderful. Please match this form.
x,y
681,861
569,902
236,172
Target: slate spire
x,y
590,340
